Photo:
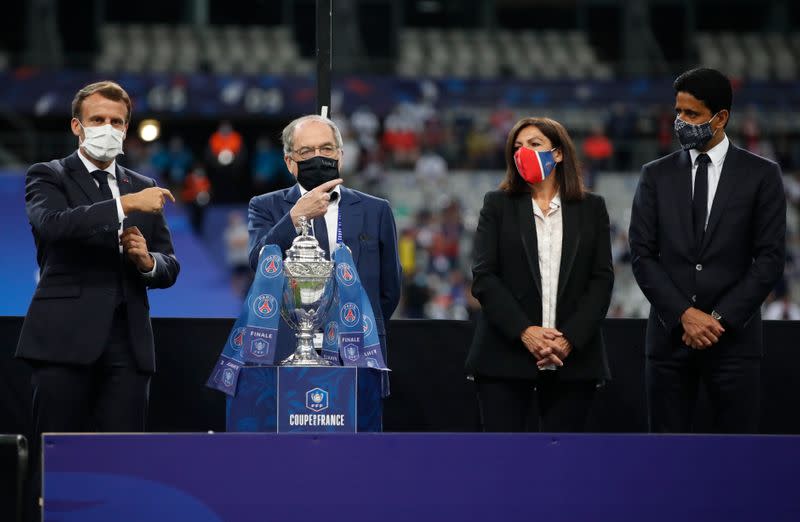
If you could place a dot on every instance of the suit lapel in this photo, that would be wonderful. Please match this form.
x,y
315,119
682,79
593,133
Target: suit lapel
x,y
352,213
125,185
570,217
683,197
727,180
527,229
123,181
77,171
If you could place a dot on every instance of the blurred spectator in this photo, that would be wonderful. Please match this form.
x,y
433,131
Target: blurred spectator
x,y
373,173
621,129
172,163
598,152
782,309
665,131
480,148
136,156
225,143
351,152
366,125
197,194
400,140
751,130
236,253
452,229
226,162
779,305
416,295
407,250
269,169
431,171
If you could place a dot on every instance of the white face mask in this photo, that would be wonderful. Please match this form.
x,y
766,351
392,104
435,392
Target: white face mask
x,y
103,143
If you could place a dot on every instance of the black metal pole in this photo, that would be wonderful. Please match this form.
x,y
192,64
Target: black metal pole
x,y
324,21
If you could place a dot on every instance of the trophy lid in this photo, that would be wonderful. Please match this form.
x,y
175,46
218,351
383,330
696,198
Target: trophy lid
x,y
305,247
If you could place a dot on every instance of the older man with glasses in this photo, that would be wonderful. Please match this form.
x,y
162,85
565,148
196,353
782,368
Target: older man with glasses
x,y
312,147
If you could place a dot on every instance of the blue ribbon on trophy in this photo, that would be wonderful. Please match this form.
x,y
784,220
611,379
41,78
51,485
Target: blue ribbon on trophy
x,y
225,374
255,333
359,344
264,308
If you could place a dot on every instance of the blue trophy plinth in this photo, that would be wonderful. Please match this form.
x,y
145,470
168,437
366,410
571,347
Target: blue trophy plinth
x,y
306,399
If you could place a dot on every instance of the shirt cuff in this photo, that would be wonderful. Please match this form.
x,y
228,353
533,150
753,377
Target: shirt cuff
x,y
120,214
152,272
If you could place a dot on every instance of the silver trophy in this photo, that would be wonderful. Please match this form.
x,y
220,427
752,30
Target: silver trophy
x,y
307,295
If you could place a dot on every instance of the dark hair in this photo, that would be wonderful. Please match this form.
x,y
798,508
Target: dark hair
x,y
568,177
107,89
707,85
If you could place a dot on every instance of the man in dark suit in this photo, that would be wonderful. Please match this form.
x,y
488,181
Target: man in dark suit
x,y
707,238
312,147
101,241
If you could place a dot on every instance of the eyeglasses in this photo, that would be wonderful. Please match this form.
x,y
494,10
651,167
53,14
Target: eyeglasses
x,y
305,153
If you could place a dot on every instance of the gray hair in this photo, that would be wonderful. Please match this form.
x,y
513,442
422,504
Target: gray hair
x,y
287,136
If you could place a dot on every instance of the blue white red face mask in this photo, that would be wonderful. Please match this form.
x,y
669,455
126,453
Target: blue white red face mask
x,y
534,166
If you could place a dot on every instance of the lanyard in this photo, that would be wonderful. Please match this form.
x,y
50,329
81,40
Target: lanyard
x,y
339,224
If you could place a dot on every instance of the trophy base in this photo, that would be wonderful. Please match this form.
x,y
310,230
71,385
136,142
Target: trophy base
x,y
304,358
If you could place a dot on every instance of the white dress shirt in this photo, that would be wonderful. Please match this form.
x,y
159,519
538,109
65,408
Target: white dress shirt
x,y
331,218
111,172
549,235
717,155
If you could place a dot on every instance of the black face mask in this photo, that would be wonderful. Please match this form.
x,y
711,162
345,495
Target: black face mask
x,y
313,172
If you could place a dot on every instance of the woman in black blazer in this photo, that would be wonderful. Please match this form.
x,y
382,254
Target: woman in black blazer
x,y
543,274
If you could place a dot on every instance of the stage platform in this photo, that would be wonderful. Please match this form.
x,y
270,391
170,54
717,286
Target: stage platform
x,y
420,477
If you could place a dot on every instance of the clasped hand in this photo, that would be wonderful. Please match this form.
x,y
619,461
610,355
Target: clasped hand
x,y
548,345
135,247
700,330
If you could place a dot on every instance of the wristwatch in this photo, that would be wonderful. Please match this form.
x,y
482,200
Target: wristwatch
x,y
715,315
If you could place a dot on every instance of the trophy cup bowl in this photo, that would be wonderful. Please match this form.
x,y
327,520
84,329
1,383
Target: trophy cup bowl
x,y
308,293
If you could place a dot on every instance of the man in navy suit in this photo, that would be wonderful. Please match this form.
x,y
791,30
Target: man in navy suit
x,y
312,147
101,241
707,238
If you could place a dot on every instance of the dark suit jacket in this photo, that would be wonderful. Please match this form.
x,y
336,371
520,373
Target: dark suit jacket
x,y
740,259
507,283
368,228
77,248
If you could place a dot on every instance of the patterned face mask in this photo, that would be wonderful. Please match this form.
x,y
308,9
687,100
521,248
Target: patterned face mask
x,y
693,136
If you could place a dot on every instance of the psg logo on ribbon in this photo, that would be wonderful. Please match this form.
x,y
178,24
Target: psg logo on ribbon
x,y
344,273
350,314
265,306
271,266
330,332
367,326
237,339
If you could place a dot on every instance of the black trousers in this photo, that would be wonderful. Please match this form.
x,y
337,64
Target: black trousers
x,y
548,404
732,385
110,395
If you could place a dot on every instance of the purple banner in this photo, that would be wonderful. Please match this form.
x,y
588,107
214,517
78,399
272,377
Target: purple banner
x,y
402,477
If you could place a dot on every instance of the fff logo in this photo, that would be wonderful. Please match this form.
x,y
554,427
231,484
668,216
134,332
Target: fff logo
x,y
317,399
